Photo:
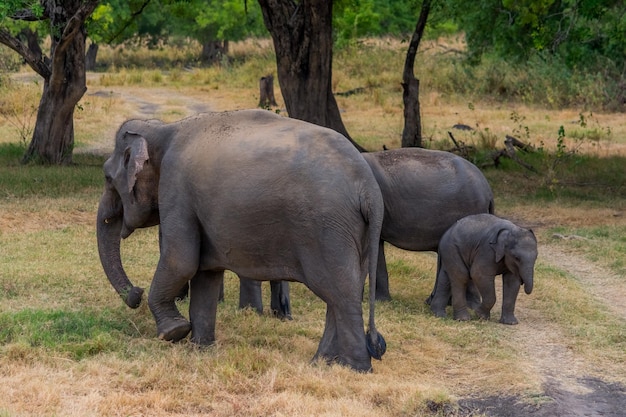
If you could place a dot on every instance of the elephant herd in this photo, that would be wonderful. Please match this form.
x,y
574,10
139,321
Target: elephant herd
x,y
277,199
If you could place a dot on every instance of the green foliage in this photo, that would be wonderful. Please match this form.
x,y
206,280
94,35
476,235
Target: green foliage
x,y
586,34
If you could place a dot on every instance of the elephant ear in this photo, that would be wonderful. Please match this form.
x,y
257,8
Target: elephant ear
x,y
135,156
499,244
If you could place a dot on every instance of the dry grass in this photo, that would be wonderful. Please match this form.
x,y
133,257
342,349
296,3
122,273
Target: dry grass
x,y
104,360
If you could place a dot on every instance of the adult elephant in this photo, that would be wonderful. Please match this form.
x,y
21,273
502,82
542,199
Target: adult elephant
x,y
267,197
425,192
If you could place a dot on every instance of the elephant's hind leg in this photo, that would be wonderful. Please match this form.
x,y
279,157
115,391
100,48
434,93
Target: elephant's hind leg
x,y
205,293
343,341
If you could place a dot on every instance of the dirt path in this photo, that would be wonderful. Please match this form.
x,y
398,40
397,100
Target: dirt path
x,y
146,104
572,386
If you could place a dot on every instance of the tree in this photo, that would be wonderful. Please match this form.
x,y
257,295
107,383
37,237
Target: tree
x,y
584,34
63,73
111,23
412,132
303,42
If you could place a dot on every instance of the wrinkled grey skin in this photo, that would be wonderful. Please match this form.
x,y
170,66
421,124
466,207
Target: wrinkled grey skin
x,y
267,197
476,249
425,192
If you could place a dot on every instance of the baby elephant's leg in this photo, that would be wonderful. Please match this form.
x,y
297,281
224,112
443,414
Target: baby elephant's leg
x,y
510,289
486,287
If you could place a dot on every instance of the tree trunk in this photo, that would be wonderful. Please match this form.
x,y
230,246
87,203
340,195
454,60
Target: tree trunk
x,y
412,132
302,35
213,51
63,74
53,137
266,92
90,57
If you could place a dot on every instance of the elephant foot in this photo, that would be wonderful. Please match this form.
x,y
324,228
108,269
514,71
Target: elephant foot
x,y
441,313
282,315
202,342
173,330
480,312
508,320
462,316
365,367
383,297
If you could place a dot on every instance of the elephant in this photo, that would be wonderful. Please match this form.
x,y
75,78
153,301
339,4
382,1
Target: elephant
x,y
256,193
425,192
476,249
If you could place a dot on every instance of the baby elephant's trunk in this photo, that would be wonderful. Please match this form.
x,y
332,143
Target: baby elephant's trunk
x,y
527,280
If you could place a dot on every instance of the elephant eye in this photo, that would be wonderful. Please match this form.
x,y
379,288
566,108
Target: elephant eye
x,y
108,179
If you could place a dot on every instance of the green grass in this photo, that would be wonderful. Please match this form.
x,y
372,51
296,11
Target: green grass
x,y
19,181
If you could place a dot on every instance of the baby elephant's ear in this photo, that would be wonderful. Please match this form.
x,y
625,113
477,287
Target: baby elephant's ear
x,y
499,244
135,155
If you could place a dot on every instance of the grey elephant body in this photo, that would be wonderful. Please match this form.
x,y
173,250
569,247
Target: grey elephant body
x,y
267,197
425,192
476,249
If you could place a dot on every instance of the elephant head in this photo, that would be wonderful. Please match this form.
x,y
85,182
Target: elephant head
x,y
129,201
518,248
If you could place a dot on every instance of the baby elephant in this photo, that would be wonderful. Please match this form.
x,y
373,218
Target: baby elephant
x,y
478,248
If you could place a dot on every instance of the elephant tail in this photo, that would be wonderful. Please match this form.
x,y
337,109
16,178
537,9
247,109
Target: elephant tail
x,y
373,209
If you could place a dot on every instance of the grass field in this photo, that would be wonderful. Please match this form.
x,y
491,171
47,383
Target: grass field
x,y
69,347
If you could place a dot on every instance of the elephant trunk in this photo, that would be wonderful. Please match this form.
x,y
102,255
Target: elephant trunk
x,y
109,233
527,280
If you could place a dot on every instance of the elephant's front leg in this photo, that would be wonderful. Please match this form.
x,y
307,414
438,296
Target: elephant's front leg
x,y
510,289
205,291
487,289
178,264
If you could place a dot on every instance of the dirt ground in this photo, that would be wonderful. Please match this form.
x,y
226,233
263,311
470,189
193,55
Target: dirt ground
x,y
571,388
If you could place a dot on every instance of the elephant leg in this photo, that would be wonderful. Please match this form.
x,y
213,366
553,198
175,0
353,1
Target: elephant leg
x,y
221,296
178,263
440,297
382,275
473,296
280,303
205,290
486,287
183,293
250,294
510,289
459,302
343,340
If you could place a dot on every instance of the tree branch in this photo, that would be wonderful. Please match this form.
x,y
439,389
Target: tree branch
x,y
28,15
34,61
130,20
75,23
